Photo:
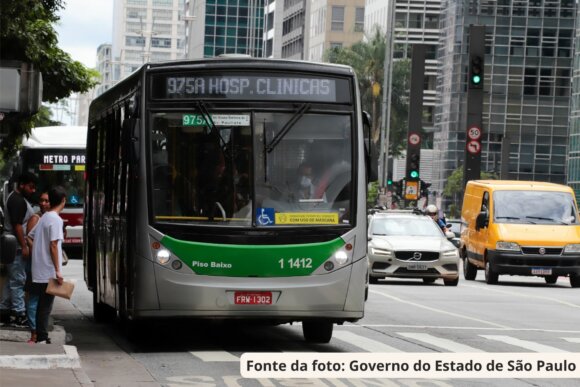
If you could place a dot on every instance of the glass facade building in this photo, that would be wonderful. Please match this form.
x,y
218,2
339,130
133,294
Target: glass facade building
x,y
574,144
225,27
527,86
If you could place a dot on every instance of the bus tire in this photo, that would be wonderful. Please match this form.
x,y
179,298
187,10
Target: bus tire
x,y
317,331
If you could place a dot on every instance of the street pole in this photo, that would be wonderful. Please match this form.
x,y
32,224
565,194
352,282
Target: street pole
x,y
387,87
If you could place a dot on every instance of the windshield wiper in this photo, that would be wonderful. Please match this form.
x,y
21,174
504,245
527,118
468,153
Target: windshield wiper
x,y
550,219
286,128
213,129
508,217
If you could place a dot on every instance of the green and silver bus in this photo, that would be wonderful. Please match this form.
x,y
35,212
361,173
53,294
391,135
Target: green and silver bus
x,y
228,188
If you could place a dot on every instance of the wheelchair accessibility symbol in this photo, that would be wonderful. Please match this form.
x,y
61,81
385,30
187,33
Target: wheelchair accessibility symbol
x,y
265,216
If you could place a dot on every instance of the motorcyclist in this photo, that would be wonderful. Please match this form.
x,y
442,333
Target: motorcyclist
x,y
433,212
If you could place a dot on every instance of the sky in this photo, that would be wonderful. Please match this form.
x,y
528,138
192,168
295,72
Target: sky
x,y
83,26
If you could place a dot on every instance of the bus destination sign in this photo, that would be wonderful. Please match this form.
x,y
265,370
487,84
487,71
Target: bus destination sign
x,y
251,87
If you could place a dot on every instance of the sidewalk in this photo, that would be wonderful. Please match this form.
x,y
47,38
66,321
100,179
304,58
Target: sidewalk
x,y
56,364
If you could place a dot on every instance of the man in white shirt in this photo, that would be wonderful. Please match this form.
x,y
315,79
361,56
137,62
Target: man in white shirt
x,y
47,259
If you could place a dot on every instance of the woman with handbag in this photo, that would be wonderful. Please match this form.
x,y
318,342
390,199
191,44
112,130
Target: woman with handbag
x,y
47,259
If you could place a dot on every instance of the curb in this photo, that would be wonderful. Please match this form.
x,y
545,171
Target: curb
x,y
70,359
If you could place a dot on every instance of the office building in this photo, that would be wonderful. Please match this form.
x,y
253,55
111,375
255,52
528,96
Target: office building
x,y
146,31
574,138
216,27
527,73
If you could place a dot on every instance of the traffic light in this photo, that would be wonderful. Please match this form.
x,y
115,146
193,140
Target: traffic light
x,y
398,188
413,159
476,71
390,182
425,188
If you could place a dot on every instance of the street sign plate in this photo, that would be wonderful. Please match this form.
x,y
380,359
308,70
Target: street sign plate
x,y
474,132
414,138
474,147
412,190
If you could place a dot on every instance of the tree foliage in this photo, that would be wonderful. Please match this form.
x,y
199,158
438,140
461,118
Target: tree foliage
x,y
367,59
454,189
27,34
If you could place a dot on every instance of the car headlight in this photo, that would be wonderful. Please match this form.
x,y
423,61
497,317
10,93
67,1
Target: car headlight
x,y
377,251
572,248
451,253
508,246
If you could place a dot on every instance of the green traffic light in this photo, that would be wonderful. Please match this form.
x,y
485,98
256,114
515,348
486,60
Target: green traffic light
x,y
389,182
476,79
414,174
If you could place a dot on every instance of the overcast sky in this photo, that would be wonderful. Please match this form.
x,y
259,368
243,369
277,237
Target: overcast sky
x,y
84,25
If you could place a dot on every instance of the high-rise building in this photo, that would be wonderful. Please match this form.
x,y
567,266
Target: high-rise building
x,y
146,31
334,23
527,73
105,68
286,34
574,139
217,27
415,22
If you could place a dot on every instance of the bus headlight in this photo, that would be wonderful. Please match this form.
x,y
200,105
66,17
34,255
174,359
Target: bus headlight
x,y
163,256
572,248
507,246
341,257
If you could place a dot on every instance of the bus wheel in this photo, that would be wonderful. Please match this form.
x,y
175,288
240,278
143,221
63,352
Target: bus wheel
x,y
469,270
102,313
551,279
491,277
317,331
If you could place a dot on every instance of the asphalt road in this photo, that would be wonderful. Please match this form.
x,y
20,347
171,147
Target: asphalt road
x,y
402,316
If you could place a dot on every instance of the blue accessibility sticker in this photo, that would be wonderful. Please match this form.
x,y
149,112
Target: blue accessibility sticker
x,y
264,216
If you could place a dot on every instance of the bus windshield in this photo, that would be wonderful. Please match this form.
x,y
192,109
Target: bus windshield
x,y
253,168
64,167
534,207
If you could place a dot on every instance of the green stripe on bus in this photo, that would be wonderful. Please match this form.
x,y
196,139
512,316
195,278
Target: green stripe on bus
x,y
252,260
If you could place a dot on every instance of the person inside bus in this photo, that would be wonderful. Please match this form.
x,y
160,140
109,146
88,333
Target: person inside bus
x,y
18,212
304,184
32,302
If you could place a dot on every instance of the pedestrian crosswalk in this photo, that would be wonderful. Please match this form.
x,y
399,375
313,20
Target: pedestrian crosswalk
x,y
423,341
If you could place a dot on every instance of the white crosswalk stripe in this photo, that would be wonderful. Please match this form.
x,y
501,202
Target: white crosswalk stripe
x,y
446,344
218,356
530,345
362,342
572,339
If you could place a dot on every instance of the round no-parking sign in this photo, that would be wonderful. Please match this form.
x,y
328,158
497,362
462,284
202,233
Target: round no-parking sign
x,y
414,138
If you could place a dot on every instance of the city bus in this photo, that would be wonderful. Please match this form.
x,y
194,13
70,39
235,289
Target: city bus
x,y
56,154
228,188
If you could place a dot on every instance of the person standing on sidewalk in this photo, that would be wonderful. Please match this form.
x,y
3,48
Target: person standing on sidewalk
x,y
32,303
18,211
47,259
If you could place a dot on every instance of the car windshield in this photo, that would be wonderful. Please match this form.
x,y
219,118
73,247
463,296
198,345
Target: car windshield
x,y
405,227
252,169
534,207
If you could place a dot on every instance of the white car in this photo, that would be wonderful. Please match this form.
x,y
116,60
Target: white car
x,y
410,245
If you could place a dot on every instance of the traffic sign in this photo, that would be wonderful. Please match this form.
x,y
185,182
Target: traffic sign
x,y
414,138
474,132
474,147
412,190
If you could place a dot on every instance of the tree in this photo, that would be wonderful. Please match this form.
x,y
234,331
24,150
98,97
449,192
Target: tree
x,y
454,189
27,35
367,59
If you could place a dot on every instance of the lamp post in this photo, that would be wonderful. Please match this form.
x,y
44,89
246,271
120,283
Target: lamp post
x,y
387,88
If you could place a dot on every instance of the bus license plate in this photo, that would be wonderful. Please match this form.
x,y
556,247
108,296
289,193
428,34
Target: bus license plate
x,y
417,266
253,298
542,270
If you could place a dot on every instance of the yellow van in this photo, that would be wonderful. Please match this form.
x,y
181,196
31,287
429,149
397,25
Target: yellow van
x,y
520,228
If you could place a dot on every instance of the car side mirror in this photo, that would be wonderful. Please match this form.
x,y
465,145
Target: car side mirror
x,y
481,221
449,234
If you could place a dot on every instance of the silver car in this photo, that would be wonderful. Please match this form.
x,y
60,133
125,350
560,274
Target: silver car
x,y
409,245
